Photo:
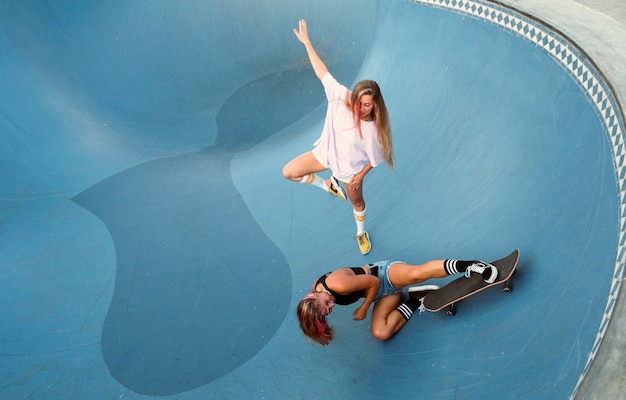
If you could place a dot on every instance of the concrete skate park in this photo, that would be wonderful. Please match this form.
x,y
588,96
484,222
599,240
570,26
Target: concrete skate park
x,y
151,247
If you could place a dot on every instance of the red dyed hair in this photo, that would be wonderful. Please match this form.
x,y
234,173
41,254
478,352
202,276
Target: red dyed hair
x,y
313,322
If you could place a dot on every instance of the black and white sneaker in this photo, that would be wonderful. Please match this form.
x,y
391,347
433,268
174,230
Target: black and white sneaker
x,y
486,270
334,188
419,292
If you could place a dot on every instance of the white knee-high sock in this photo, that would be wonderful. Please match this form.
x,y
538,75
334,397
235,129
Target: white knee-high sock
x,y
359,217
313,179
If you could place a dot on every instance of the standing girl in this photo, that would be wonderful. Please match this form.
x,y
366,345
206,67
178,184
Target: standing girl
x,y
356,137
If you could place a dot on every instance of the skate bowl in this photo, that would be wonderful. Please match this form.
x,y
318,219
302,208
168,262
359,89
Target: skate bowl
x,y
151,246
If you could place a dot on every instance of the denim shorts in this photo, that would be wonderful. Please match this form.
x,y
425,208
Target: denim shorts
x,y
385,288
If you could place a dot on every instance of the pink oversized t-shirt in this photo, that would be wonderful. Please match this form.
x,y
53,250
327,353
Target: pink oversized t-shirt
x,y
339,147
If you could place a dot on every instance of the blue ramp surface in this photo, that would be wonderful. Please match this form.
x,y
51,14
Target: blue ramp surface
x,y
150,246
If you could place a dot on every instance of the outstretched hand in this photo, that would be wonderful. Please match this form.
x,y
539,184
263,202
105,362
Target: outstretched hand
x,y
316,62
301,33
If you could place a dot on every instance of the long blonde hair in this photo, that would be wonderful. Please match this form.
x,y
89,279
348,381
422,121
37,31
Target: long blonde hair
x,y
381,116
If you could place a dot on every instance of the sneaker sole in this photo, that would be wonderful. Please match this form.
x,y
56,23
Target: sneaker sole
x,y
340,192
423,288
368,240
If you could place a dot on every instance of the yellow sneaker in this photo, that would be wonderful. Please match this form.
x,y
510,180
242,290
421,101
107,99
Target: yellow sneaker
x,y
363,240
335,188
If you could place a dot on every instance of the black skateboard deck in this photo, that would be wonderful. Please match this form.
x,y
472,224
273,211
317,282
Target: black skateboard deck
x,y
464,287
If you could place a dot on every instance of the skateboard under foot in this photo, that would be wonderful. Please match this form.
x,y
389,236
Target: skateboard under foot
x,y
464,287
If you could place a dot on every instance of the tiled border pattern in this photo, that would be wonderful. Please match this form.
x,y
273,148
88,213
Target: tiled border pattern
x,y
598,93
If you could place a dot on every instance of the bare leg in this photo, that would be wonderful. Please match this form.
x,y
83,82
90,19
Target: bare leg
x,y
401,275
356,197
302,165
386,319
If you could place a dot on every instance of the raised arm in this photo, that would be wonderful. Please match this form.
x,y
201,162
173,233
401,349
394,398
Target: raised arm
x,y
316,62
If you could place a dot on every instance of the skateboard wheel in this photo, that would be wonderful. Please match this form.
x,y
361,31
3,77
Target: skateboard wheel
x,y
450,311
507,288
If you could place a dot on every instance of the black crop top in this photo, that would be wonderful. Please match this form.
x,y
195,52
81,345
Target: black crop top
x,y
344,299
